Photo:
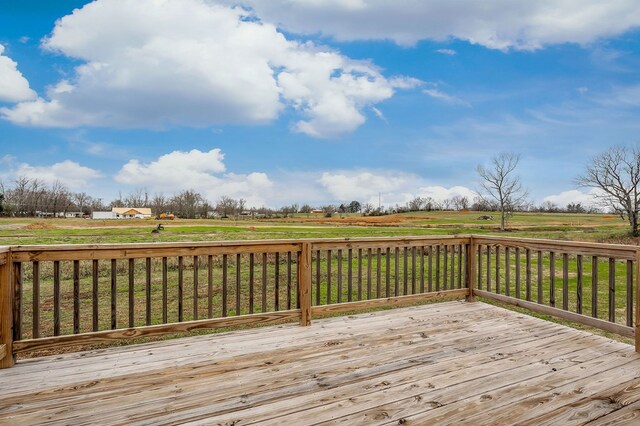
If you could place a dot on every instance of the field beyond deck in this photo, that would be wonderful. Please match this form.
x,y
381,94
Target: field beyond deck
x,y
455,362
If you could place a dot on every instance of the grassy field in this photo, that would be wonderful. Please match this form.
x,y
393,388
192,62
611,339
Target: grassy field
x,y
19,231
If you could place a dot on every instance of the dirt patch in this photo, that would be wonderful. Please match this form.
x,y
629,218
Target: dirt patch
x,y
38,225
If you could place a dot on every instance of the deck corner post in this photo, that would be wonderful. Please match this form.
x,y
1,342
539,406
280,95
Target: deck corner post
x,y
637,302
471,254
7,358
304,283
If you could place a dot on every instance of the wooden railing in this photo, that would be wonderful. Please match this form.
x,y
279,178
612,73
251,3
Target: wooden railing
x,y
60,296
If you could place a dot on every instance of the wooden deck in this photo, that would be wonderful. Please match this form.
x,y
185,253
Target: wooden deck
x,y
446,363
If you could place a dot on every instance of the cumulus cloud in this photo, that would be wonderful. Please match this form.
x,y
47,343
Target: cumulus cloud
x,y
73,175
449,52
387,186
434,92
197,170
13,86
160,63
496,24
572,196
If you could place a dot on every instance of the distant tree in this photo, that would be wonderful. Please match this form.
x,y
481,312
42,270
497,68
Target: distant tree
x,y
367,208
354,206
501,185
615,174
460,202
306,208
549,207
416,204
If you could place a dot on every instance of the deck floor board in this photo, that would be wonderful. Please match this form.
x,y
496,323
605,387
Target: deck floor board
x,y
445,363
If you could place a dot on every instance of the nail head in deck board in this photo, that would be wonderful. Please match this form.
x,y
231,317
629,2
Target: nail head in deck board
x,y
612,289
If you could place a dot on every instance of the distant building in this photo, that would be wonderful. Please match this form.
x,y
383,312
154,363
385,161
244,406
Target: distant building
x,y
124,213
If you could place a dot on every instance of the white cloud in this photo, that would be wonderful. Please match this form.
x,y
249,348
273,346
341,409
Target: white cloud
x,y
13,86
197,170
73,175
389,186
436,93
449,52
572,196
496,24
159,63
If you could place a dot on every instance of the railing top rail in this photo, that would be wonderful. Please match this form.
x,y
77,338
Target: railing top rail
x,y
5,249
560,243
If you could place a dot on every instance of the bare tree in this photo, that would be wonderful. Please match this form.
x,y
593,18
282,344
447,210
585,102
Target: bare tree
x,y
500,184
616,176
460,202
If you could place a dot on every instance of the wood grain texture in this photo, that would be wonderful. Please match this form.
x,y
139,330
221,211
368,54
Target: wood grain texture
x,y
6,311
445,363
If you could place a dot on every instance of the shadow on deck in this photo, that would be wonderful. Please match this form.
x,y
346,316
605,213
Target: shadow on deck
x,y
446,363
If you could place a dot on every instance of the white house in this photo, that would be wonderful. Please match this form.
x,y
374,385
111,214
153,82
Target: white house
x,y
124,213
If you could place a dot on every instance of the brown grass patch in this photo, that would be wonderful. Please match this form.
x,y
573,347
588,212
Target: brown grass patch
x,y
38,225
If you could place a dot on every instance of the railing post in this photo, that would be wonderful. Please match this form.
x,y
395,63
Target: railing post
x,y
637,301
304,283
471,269
7,358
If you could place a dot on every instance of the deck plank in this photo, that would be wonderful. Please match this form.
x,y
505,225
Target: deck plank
x,y
453,362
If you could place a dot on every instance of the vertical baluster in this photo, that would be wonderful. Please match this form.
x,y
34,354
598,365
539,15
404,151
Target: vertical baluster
x,y
422,269
413,270
378,273
224,285
147,317
540,277
76,296
552,279
438,267
498,269
479,271
35,332
318,277
460,262
276,277
579,284
369,270
165,284
594,286
132,277
289,278
94,293
18,280
630,293
528,275
349,275
405,277
565,281
612,289
251,282
430,270
507,271
180,288
397,271
114,290
518,292
210,286
339,275
238,279
452,282
445,267
488,267
329,277
264,282
196,267
56,298
359,274
387,264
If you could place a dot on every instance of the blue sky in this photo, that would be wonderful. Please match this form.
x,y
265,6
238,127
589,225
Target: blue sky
x,y
314,101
